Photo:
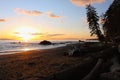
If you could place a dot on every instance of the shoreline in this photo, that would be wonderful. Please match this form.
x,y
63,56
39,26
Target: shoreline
x,y
35,64
24,50
54,64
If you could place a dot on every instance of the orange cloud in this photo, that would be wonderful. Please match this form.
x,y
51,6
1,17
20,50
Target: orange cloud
x,y
51,35
2,20
51,15
27,12
40,34
85,2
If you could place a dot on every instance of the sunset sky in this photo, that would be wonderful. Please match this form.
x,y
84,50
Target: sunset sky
x,y
46,19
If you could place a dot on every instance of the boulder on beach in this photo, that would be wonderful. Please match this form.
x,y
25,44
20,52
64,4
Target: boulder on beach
x,y
45,42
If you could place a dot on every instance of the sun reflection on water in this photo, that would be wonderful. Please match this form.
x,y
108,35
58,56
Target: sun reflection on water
x,y
26,49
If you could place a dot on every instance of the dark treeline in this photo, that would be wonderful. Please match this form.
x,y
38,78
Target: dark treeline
x,y
110,22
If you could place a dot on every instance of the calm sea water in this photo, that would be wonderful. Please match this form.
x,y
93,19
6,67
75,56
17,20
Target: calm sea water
x,y
10,46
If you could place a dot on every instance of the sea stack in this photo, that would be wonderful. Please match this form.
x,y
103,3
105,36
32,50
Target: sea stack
x,y
45,42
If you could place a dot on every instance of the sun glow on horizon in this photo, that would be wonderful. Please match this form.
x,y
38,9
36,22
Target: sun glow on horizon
x,y
25,33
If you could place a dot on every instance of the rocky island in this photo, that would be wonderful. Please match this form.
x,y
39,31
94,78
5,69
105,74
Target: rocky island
x,y
45,42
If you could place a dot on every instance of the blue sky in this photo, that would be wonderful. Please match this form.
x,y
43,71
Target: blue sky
x,y
49,17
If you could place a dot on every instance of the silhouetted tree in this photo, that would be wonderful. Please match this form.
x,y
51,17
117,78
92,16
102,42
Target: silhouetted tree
x,y
93,19
102,21
112,21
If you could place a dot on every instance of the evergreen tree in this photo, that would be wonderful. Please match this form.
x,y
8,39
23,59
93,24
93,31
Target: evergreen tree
x,y
112,21
93,19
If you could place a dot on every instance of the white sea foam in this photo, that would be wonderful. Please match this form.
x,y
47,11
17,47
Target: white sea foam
x,y
10,46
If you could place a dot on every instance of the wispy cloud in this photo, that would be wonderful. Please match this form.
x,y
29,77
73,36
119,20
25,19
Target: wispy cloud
x,y
35,13
29,33
28,12
71,38
37,33
40,34
51,15
85,2
51,35
2,20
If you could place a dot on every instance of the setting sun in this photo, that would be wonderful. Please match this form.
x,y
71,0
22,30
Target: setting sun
x,y
49,39
26,37
25,33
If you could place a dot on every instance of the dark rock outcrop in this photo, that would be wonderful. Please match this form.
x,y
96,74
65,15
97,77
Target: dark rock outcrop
x,y
45,42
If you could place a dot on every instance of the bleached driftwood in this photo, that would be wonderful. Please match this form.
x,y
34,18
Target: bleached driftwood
x,y
94,71
114,73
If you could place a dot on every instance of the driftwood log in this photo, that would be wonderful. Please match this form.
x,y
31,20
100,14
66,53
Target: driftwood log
x,y
77,72
95,71
104,55
88,70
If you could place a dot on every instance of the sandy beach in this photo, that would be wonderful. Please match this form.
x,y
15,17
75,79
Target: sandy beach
x,y
60,40
36,64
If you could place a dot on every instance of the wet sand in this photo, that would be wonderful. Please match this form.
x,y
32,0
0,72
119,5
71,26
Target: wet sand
x,y
35,64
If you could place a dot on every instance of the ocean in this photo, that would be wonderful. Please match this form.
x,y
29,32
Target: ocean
x,y
12,46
